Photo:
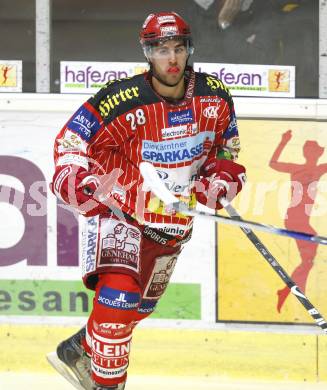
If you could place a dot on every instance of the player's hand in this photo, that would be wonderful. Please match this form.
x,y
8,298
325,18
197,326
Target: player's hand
x,y
219,178
77,187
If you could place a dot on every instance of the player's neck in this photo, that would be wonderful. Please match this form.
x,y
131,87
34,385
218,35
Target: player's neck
x,y
176,92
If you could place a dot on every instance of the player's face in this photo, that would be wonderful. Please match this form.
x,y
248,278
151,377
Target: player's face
x,y
169,60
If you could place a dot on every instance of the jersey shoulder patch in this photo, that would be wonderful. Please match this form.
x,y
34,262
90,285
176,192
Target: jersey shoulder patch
x,y
120,96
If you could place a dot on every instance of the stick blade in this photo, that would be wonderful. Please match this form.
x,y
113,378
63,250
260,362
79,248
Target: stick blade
x,y
153,183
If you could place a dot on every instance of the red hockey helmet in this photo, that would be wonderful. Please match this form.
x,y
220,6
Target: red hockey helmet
x,y
165,25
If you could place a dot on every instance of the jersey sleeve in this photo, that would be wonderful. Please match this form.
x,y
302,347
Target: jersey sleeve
x,y
230,146
84,134
227,142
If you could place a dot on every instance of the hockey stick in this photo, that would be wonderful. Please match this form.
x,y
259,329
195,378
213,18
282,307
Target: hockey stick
x,y
319,319
152,180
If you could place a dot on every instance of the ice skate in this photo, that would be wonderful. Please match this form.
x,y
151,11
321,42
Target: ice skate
x,y
71,361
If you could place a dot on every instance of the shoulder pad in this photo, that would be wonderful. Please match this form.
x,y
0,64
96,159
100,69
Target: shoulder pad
x,y
211,85
120,96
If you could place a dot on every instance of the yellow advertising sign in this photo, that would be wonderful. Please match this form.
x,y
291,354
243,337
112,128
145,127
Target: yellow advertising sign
x,y
279,80
10,76
287,187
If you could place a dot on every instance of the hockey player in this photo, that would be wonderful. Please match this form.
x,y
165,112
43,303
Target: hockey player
x,y
184,124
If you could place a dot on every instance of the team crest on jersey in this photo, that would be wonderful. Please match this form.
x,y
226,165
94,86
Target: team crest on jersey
x,y
211,112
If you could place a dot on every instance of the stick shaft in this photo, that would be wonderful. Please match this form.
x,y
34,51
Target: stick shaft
x,y
154,183
254,225
261,248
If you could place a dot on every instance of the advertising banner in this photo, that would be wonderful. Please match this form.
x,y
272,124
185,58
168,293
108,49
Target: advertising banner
x,y
287,187
242,80
89,77
253,80
11,76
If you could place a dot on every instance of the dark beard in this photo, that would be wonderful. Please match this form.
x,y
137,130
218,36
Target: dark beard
x,y
155,75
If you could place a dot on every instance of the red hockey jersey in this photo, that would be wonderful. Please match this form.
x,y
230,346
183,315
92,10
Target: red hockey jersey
x,y
127,122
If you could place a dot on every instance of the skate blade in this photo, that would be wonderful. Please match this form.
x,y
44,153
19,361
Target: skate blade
x,y
60,367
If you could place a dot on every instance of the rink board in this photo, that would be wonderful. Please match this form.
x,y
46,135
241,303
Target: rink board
x,y
189,353
37,251
69,298
247,284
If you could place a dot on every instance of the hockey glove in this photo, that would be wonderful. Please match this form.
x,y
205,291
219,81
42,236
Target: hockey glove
x,y
76,186
219,178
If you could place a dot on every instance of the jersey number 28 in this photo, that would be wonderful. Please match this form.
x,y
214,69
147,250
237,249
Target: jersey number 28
x,y
136,119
